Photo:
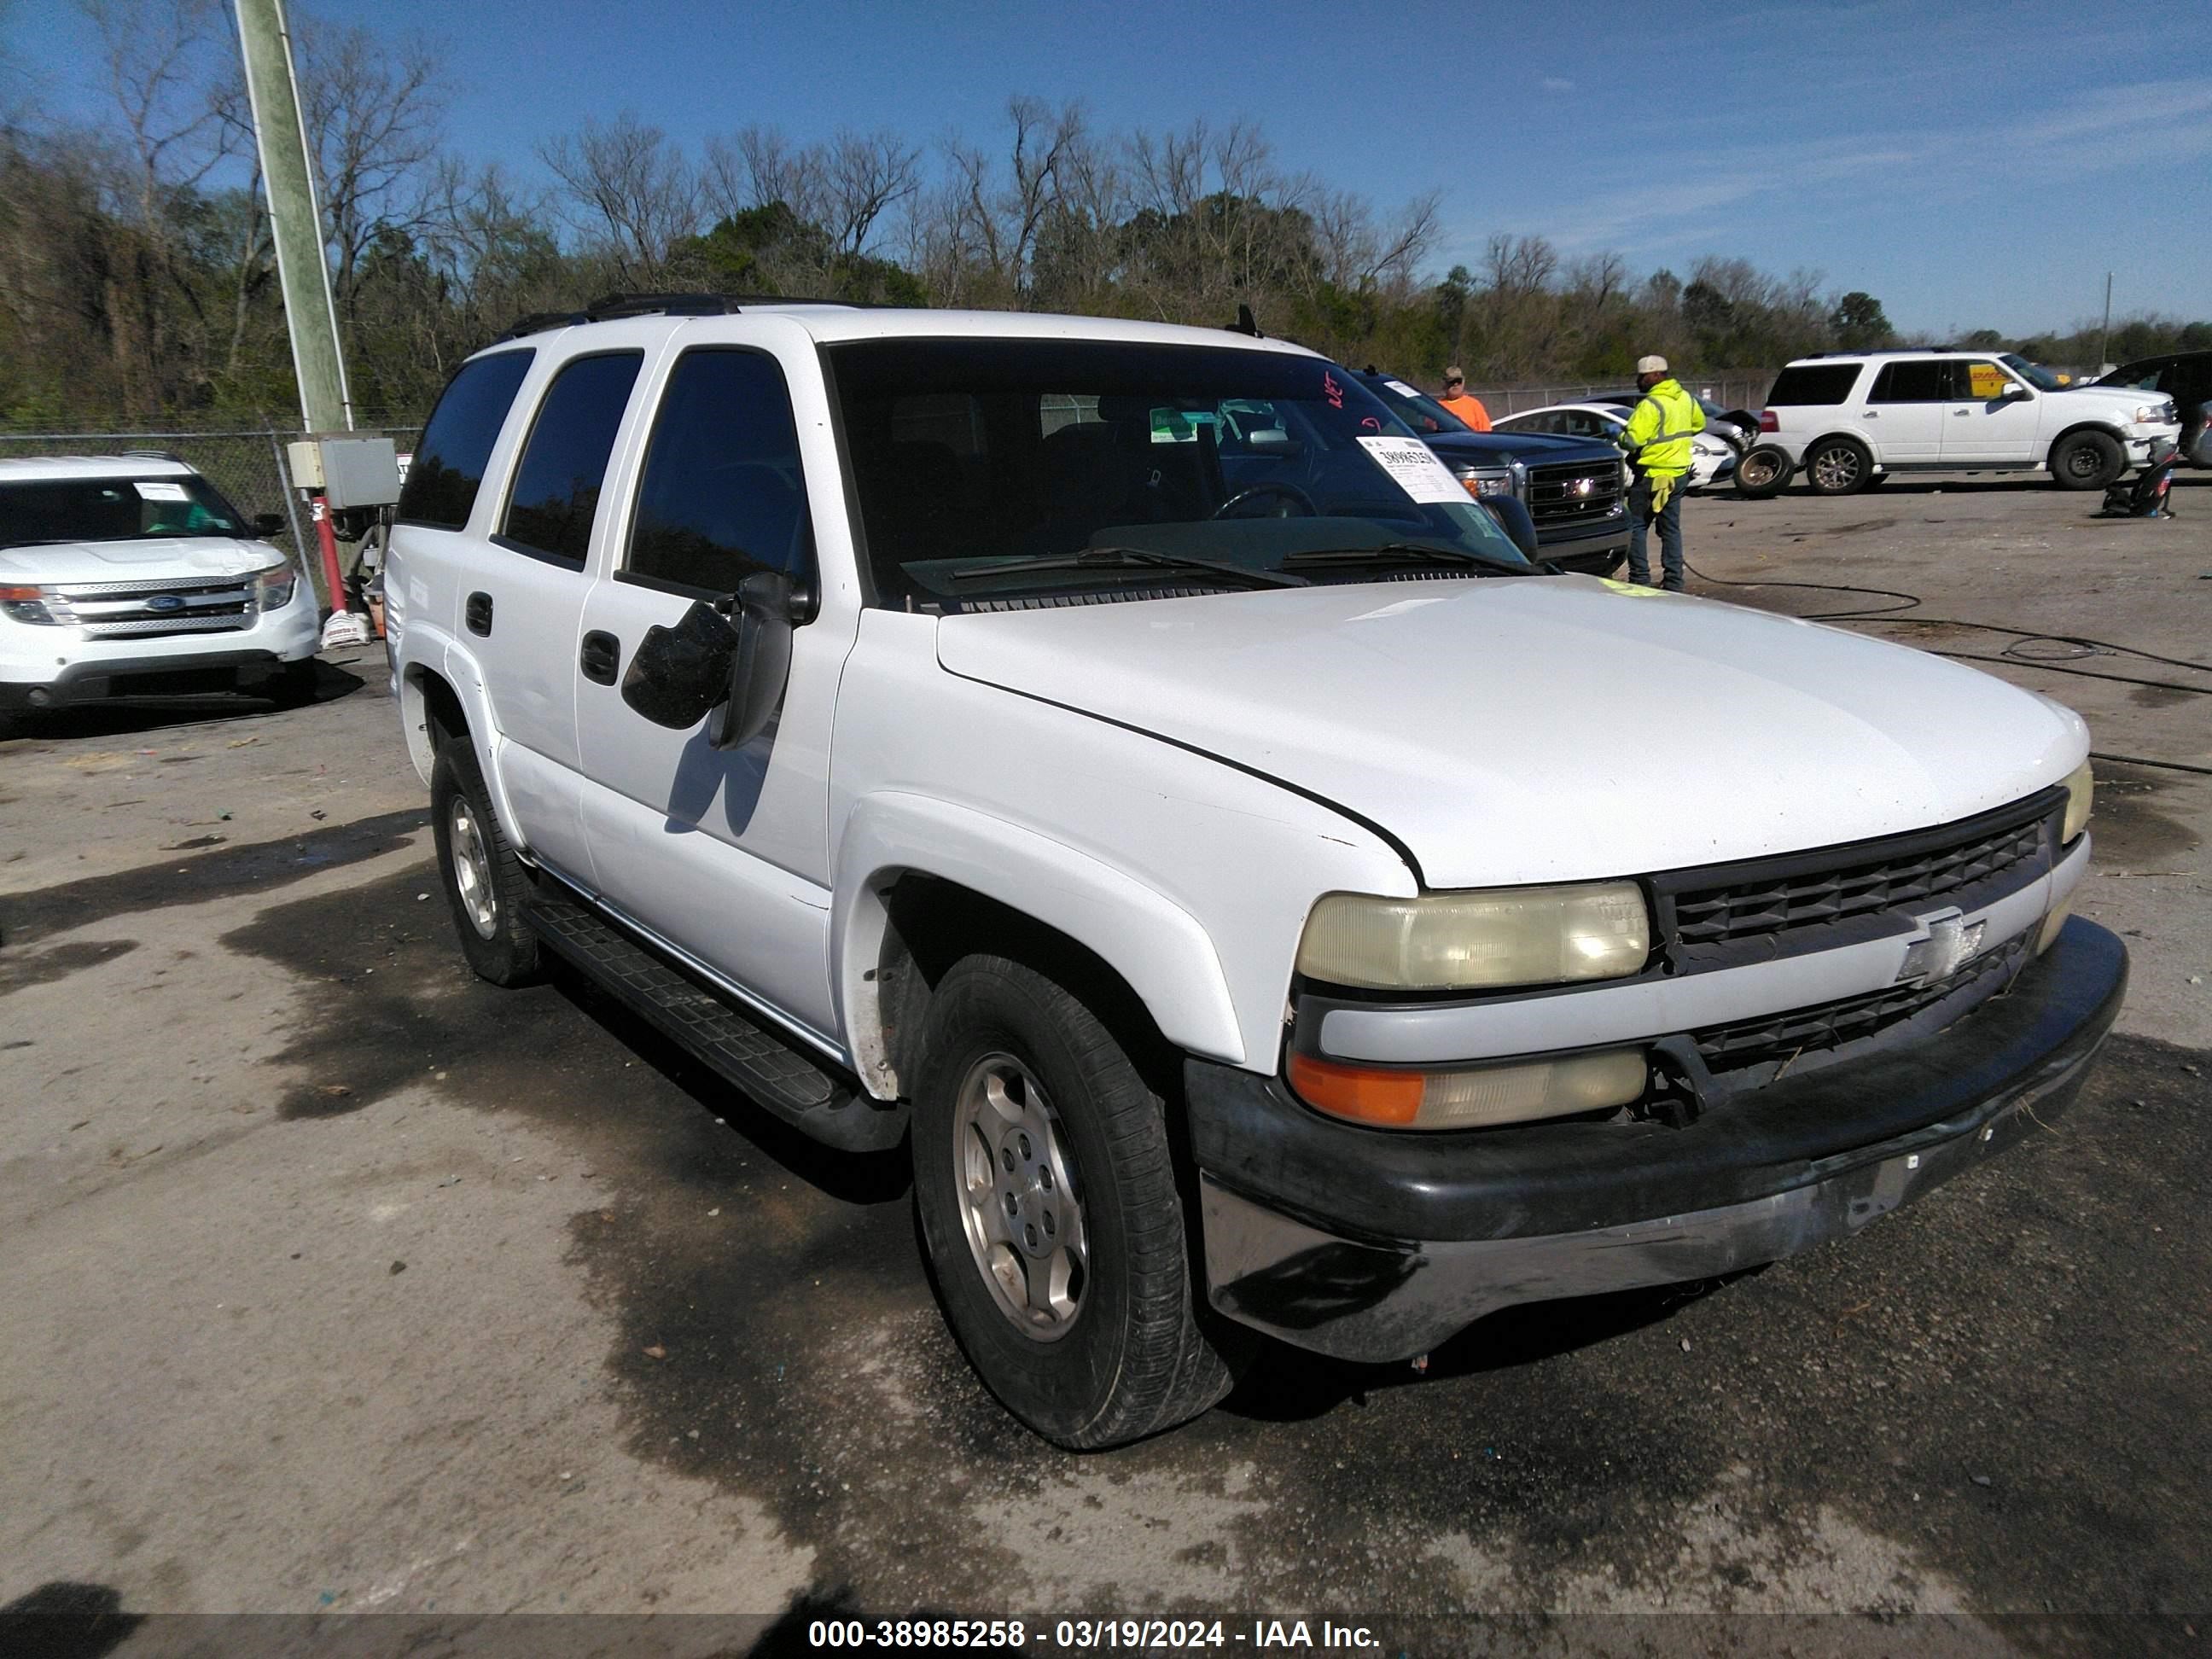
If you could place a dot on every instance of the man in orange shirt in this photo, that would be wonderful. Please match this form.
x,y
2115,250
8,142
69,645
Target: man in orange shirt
x,y
1469,410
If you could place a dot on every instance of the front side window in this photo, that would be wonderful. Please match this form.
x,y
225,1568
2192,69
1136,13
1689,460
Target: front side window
x,y
124,509
987,468
1416,408
1982,381
721,496
449,462
557,483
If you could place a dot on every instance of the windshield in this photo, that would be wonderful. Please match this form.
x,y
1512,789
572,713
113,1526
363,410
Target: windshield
x,y
1415,407
114,510
982,467
2035,373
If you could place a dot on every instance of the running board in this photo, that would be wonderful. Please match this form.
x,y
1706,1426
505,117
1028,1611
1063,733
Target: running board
x,y
815,1102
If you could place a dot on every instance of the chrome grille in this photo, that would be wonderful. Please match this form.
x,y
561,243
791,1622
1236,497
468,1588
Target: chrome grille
x,y
1574,493
1745,909
139,609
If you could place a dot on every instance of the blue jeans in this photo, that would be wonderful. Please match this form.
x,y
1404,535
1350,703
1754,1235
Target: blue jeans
x,y
1669,520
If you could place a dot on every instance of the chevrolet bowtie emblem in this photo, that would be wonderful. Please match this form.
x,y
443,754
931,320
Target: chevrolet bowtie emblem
x,y
1951,942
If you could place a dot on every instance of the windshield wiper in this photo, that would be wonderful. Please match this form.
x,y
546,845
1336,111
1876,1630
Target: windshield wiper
x,y
1129,558
1404,552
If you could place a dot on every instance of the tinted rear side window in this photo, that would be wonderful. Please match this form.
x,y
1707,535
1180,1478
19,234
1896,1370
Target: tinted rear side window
x,y
449,461
564,460
1912,383
1814,383
722,496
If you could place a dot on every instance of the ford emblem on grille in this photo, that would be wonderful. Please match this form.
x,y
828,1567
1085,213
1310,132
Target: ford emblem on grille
x,y
165,603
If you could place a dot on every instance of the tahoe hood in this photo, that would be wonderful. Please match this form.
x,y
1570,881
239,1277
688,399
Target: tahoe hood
x,y
1525,729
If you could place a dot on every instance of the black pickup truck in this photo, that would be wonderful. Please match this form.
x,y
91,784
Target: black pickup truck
x,y
1575,488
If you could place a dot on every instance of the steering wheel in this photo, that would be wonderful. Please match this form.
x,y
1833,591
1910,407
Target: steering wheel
x,y
1290,492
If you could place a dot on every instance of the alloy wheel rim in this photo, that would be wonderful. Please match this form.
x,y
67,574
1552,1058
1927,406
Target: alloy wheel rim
x,y
1020,1206
1756,473
1837,467
473,879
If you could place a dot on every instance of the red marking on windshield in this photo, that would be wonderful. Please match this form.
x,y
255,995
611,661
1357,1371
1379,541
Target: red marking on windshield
x,y
1331,390
1369,421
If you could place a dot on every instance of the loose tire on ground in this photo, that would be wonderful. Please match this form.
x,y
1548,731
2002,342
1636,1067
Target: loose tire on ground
x,y
1762,472
1048,1203
2088,460
1838,466
485,883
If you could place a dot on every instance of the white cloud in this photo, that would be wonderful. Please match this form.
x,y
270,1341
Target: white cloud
x,y
1554,83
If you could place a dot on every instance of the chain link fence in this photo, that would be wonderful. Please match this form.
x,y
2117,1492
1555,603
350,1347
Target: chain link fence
x,y
247,467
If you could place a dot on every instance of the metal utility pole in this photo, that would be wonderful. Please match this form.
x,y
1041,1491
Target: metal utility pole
x,y
2104,333
295,216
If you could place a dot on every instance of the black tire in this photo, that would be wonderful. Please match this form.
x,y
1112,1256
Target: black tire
x,y
1762,471
1838,466
487,901
293,685
1127,1356
2088,460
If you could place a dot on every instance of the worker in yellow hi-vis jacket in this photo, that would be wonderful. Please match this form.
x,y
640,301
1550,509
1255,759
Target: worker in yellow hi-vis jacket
x,y
1657,439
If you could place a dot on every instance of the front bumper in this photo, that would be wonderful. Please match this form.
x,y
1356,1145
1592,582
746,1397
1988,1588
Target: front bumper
x,y
1597,553
1371,1245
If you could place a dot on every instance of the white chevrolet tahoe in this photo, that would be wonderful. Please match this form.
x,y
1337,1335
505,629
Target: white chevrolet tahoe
x,y
1851,419
1120,763
129,575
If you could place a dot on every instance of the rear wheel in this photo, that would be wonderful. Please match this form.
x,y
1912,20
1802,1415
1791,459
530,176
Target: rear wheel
x,y
1763,471
2088,460
1046,1191
1838,466
485,883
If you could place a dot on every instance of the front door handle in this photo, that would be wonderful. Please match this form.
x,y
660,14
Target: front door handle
x,y
476,613
601,655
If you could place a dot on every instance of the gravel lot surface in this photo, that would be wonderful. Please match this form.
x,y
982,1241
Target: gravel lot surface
x,y
339,1280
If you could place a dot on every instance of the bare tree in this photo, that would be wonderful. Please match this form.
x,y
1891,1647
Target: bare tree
x,y
628,188
375,116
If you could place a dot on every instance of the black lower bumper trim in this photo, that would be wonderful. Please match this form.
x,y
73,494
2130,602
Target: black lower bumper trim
x,y
1251,1137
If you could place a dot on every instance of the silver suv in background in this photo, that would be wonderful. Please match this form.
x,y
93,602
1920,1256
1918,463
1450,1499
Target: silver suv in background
x,y
1850,419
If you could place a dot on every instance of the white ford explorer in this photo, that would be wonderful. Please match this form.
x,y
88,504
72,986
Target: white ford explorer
x,y
128,574
1120,763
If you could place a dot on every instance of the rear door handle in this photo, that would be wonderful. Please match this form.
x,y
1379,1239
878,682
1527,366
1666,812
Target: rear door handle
x,y
476,613
601,655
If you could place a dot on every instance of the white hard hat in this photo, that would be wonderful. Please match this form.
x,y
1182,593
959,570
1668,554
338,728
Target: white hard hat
x,y
1650,365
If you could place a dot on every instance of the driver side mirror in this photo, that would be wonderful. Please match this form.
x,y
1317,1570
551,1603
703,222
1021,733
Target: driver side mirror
x,y
269,524
730,658
2017,391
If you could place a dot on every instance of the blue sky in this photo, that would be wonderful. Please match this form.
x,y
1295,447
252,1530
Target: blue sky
x,y
1970,165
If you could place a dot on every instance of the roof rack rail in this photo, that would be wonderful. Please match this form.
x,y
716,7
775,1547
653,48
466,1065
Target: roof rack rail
x,y
159,455
609,307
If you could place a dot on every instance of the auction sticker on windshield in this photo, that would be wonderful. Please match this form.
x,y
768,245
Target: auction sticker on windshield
x,y
1415,469
153,491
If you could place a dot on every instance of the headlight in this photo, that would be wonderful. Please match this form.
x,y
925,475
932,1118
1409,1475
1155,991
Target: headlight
x,y
272,588
1478,940
26,604
2145,414
2081,787
1479,484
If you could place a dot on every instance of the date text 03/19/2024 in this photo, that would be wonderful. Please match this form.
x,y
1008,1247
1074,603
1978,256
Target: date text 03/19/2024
x,y
1085,1634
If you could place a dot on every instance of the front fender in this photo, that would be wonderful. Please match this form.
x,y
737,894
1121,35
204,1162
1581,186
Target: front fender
x,y
1158,947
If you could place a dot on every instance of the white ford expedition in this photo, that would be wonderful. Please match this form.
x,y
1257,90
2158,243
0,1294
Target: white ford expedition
x,y
128,574
1120,763
1851,419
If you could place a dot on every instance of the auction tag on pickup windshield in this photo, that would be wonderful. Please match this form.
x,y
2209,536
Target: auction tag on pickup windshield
x,y
1415,469
150,491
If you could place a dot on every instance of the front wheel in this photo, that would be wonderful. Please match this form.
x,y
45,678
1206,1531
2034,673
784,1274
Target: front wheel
x,y
1763,471
2088,460
1046,1191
